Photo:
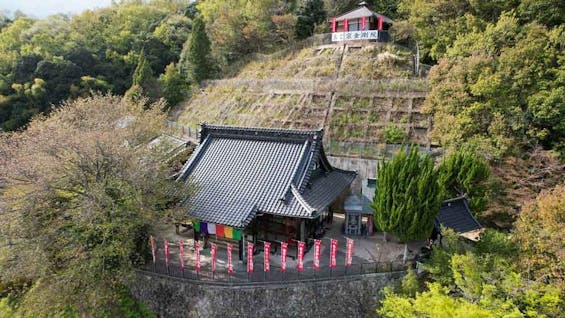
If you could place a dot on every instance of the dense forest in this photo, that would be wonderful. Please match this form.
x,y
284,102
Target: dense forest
x,y
497,98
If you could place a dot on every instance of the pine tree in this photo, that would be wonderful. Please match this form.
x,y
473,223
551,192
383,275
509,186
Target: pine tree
x,y
197,60
407,196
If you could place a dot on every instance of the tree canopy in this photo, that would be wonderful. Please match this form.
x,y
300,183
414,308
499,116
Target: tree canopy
x,y
81,191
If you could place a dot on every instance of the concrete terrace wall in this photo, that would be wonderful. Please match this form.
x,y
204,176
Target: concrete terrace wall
x,y
350,296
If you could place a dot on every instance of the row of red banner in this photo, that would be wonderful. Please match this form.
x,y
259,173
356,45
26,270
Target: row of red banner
x,y
349,247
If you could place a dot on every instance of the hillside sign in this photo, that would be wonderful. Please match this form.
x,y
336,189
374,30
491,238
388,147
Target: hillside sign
x,y
355,35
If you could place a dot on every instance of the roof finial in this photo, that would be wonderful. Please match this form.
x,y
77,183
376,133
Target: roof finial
x,y
363,4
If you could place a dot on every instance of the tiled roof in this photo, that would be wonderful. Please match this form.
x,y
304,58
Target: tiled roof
x,y
362,12
455,214
243,171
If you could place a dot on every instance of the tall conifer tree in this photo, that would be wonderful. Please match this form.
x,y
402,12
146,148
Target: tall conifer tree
x,y
197,59
407,196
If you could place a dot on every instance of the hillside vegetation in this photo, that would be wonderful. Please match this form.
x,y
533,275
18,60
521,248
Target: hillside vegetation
x,y
364,96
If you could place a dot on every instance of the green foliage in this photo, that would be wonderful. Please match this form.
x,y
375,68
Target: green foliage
x,y
501,88
432,303
410,285
173,86
539,233
197,59
310,14
481,282
102,46
465,172
407,196
392,134
81,191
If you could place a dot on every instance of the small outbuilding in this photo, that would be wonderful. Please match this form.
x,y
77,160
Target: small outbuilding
x,y
456,215
361,24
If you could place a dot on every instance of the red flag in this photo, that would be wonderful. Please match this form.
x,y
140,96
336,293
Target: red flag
x,y
249,257
266,256
348,252
284,252
380,23
181,254
230,263
214,252
166,253
363,21
333,253
300,263
152,241
317,253
345,25
197,254
333,24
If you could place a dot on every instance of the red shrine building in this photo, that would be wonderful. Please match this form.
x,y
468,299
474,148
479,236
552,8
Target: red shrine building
x,y
361,24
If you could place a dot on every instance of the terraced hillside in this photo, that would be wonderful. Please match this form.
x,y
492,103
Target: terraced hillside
x,y
365,97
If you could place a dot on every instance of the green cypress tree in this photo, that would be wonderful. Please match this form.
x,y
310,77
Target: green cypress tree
x,y
465,172
407,196
173,86
143,72
197,59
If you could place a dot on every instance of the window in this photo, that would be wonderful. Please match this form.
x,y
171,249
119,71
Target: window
x,y
353,25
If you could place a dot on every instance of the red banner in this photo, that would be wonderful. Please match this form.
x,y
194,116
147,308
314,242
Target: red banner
x,y
152,241
181,254
230,263
334,24
345,25
333,253
197,254
380,23
214,253
300,262
166,253
317,253
284,252
348,251
267,256
249,257
363,21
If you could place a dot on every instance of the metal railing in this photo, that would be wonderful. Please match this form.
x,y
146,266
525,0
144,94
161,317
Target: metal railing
x,y
275,275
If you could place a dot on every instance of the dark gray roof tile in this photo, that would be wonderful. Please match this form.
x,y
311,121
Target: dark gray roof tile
x,y
242,171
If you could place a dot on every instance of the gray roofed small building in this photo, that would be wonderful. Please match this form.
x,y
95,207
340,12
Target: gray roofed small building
x,y
456,214
242,173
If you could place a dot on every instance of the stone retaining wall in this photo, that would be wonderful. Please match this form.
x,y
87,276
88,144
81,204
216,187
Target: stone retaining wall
x,y
352,296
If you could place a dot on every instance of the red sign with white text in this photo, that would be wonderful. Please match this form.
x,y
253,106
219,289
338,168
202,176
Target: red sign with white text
x,y
348,252
317,253
197,254
249,257
230,263
181,254
284,252
152,241
333,253
166,253
267,256
214,253
300,263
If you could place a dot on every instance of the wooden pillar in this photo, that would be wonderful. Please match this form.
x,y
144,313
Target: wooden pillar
x,y
302,230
